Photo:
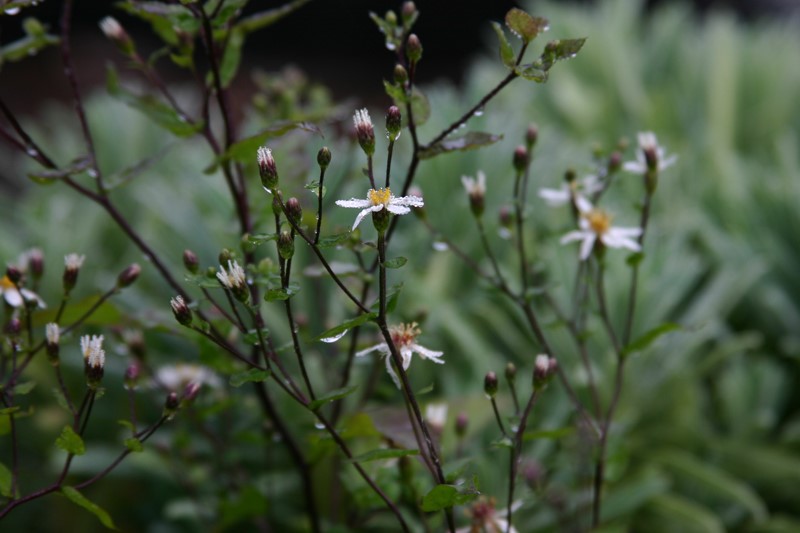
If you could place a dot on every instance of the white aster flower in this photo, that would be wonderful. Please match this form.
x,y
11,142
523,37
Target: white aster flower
x,y
436,416
52,332
575,191
484,518
233,278
404,338
596,224
17,297
111,28
93,353
177,377
74,261
381,199
475,187
648,144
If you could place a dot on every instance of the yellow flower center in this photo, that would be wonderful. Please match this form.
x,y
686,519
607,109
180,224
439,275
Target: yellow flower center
x,y
404,334
380,197
599,220
6,284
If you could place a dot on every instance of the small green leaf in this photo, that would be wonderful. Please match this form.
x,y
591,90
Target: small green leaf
x,y
635,259
254,375
5,481
376,455
648,338
444,496
127,424
503,442
391,30
134,445
470,141
24,388
335,333
314,188
231,58
524,25
273,295
82,501
32,43
396,92
60,399
47,177
334,395
333,240
71,442
252,336
532,72
506,52
397,262
265,18
559,50
420,107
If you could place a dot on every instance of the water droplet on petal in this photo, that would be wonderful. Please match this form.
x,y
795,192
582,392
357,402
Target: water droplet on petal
x,y
335,337
440,246
478,112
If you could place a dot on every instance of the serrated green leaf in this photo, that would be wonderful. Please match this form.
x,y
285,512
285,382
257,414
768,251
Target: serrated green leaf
x,y
5,481
334,395
525,26
82,501
470,141
134,445
444,496
254,375
71,442
648,338
335,333
506,52
384,453
397,262
24,388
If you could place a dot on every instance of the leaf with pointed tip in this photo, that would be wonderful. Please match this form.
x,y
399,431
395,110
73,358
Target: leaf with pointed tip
x,y
470,141
82,501
265,18
649,338
5,481
47,177
71,442
525,26
134,445
444,496
333,240
346,326
332,396
532,72
245,149
231,58
559,50
254,375
506,52
397,262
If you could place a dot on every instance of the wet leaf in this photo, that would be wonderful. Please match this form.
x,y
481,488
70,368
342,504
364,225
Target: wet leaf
x,y
506,52
79,499
444,496
525,26
332,396
254,375
470,141
71,442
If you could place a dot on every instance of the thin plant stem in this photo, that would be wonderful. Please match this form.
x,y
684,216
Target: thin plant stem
x,y
389,152
319,205
517,451
498,417
645,218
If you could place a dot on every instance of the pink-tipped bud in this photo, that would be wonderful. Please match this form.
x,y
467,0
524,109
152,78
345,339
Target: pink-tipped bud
x,y
294,211
132,374
36,263
190,261
393,123
365,132
191,391
128,276
531,136
171,405
408,13
413,48
181,311
267,168
543,370
462,421
490,384
614,161
520,159
286,245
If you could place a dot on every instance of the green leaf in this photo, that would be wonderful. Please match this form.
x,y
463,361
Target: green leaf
x,y
524,25
391,30
420,107
335,333
397,262
134,445
559,50
231,58
376,455
48,177
334,395
635,259
244,151
396,92
127,424
82,501
315,188
254,375
10,410
71,442
532,72
333,240
444,496
24,388
648,338
60,399
265,18
506,52
470,141
252,336
32,43
5,481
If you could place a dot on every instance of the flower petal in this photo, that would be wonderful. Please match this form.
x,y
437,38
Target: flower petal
x,y
413,201
425,353
398,209
360,217
587,245
575,236
382,347
354,202
555,197
391,371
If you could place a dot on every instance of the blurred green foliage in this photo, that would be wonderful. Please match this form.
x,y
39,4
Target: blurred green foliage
x,y
708,431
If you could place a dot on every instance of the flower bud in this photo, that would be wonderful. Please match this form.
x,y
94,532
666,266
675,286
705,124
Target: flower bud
x,y
324,157
511,372
476,190
413,48
267,168
490,384
13,327
114,31
132,375
461,424
94,359
181,311
614,161
235,280
400,74
36,263
294,212
506,217
52,336
286,245
520,159
543,369
393,123
364,131
171,405
190,261
651,156
569,176
391,17
531,136
72,265
14,274
408,12
191,391
246,244
224,256
128,276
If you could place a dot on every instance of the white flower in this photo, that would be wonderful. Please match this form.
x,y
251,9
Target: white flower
x,y
475,187
485,519
52,333
575,191
378,200
177,377
436,415
111,28
73,261
17,297
93,353
648,144
233,278
596,224
403,337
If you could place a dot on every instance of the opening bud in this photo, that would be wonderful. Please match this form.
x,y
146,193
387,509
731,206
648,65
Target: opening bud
x,y
52,335
324,157
490,384
286,245
181,311
128,276
225,256
393,123
190,392
413,48
294,212
72,265
408,13
117,34
364,131
94,359
267,168
476,190
462,421
520,159
543,369
190,261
